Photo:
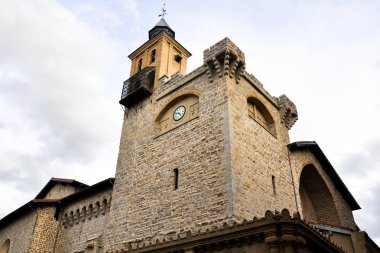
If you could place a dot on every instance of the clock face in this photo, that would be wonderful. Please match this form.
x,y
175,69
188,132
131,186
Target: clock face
x,y
179,112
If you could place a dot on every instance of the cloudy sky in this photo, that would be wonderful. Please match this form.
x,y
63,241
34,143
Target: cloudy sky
x,y
62,64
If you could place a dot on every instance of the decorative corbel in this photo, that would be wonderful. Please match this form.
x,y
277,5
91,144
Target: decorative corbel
x,y
217,66
208,73
226,63
240,72
235,64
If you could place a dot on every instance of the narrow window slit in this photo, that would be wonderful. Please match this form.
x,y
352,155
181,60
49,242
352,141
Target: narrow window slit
x,y
274,184
176,179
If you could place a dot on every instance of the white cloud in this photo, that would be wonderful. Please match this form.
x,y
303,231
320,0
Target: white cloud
x,y
56,119
364,165
131,6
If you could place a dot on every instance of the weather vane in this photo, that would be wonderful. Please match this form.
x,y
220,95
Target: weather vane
x,y
163,12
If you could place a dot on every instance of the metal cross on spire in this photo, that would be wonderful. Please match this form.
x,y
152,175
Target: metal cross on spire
x,y
162,15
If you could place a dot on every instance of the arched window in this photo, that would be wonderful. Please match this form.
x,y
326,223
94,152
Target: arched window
x,y
177,112
316,199
258,112
5,247
153,56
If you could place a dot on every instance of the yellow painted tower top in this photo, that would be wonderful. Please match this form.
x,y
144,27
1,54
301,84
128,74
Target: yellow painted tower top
x,y
162,52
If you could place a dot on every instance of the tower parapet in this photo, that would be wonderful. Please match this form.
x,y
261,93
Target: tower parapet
x,y
224,58
288,111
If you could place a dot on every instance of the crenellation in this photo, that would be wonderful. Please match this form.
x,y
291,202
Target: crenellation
x,y
224,59
288,110
225,45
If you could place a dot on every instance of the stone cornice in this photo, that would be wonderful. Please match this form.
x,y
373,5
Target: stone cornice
x,y
273,228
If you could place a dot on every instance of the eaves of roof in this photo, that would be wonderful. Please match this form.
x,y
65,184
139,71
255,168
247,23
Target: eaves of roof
x,y
57,203
53,181
27,208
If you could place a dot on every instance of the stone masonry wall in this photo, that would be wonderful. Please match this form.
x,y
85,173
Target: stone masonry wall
x,y
258,155
59,191
302,158
145,204
261,177
19,232
79,230
45,231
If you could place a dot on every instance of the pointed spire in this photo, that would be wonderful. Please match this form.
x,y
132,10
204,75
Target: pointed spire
x,y
162,25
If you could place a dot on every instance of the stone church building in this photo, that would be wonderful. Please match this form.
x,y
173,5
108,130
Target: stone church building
x,y
205,165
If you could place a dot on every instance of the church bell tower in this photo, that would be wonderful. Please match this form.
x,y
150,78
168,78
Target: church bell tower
x,y
209,148
197,149
160,56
